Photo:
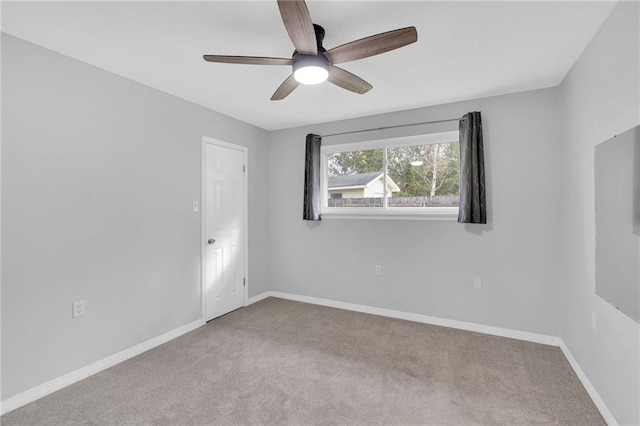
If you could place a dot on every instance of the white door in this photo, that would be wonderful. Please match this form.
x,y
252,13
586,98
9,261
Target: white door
x,y
224,229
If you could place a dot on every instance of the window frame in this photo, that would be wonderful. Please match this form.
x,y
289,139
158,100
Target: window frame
x,y
404,213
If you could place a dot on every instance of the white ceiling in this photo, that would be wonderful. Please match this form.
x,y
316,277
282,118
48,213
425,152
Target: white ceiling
x,y
465,50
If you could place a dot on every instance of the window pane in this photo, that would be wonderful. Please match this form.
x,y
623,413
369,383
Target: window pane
x,y
356,179
424,175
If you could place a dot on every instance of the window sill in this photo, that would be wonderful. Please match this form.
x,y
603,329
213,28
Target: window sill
x,y
447,214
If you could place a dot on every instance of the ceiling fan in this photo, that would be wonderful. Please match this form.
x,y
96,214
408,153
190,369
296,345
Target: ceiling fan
x,y
311,62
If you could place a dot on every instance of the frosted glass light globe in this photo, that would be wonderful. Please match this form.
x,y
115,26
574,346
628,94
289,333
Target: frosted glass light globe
x,y
311,75
310,69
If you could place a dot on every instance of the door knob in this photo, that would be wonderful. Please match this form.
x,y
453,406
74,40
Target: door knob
x,y
211,241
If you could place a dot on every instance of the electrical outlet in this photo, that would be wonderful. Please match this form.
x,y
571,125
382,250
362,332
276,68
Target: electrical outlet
x,y
477,282
378,270
77,309
594,321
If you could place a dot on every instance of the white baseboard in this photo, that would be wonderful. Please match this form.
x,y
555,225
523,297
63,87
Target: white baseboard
x,y
258,298
84,372
479,328
426,319
599,403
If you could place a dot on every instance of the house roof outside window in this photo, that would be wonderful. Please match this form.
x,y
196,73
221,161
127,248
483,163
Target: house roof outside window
x,y
359,180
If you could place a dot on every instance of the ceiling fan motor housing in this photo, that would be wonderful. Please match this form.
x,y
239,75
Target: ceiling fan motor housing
x,y
308,68
301,60
320,33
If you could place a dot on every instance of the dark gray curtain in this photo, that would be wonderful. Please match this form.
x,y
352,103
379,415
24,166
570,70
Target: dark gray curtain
x,y
312,178
473,207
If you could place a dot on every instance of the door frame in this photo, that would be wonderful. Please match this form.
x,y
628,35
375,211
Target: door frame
x,y
203,218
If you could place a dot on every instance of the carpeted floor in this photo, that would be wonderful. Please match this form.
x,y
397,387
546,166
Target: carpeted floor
x,y
284,362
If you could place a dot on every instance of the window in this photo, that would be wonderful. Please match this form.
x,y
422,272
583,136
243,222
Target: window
x,y
412,177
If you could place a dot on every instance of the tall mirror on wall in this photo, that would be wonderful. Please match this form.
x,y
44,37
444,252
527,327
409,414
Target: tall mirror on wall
x,y
617,197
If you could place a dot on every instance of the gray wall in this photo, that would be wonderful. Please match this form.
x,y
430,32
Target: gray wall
x,y
599,98
98,178
428,266
99,172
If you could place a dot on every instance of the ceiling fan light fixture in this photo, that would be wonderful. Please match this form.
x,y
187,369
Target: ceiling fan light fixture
x,y
311,75
312,63
309,69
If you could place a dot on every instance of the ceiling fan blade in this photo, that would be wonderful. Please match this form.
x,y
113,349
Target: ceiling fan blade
x,y
373,45
285,88
346,80
249,60
297,21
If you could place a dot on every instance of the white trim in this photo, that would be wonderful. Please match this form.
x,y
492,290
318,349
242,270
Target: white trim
x,y
588,386
258,298
82,373
91,369
203,217
385,176
246,225
469,326
384,211
404,213
422,139
426,319
203,227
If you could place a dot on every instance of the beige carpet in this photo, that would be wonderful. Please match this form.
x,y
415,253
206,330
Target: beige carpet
x,y
283,362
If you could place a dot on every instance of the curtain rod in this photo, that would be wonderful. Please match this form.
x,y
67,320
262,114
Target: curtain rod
x,y
391,127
